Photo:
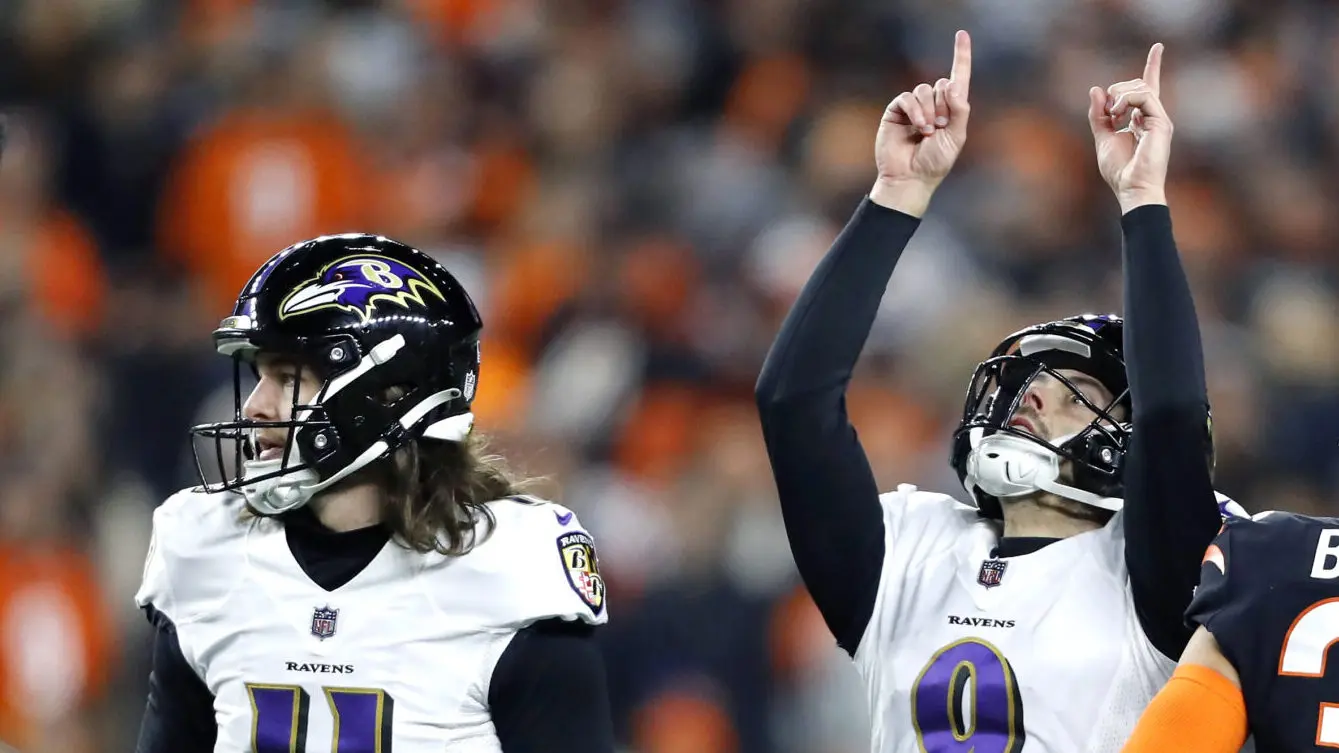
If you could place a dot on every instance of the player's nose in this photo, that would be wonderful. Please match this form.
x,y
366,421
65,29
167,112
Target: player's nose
x,y
1033,399
261,404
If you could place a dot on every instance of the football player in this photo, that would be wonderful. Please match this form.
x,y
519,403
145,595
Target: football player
x,y
360,577
1044,611
1267,615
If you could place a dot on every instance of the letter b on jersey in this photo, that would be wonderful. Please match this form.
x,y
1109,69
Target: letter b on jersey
x,y
1326,564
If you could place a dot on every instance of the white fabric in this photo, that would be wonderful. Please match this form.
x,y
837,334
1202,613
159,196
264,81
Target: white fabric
x,y
417,635
1062,617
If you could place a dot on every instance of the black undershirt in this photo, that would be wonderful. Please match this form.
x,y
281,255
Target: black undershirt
x,y
828,494
1017,546
548,692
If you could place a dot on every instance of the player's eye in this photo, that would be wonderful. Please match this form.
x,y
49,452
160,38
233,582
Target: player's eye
x,y
1081,400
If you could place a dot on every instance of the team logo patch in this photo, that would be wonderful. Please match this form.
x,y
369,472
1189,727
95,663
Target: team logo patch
x,y
991,573
323,622
358,284
583,568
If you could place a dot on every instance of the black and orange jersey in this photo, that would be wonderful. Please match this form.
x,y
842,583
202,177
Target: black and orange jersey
x,y
1269,593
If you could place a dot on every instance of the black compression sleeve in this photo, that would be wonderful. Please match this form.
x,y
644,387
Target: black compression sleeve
x,y
179,715
1171,512
829,498
549,693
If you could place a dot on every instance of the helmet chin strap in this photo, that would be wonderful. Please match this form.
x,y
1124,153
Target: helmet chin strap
x,y
1004,465
289,491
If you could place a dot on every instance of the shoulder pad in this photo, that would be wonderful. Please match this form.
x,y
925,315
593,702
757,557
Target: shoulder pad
x,y
922,501
1283,541
908,505
918,523
194,538
537,563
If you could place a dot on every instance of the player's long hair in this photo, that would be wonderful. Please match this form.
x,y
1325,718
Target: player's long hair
x,y
436,493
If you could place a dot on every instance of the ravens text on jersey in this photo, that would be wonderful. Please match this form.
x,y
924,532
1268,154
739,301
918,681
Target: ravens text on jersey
x,y
1269,593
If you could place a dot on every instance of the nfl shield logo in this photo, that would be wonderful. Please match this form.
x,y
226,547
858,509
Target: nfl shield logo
x,y
992,572
323,622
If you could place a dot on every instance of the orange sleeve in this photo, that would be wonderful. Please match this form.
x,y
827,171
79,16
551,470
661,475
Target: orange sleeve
x,y
1197,711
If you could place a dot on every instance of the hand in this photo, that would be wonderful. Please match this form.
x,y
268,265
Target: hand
x,y
1133,160
921,135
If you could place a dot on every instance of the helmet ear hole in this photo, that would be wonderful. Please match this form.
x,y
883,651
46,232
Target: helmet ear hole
x,y
395,393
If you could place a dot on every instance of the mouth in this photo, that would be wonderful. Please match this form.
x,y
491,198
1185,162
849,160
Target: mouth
x,y
1024,424
269,450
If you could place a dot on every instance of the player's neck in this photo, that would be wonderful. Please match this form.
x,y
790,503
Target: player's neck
x,y
1044,516
348,508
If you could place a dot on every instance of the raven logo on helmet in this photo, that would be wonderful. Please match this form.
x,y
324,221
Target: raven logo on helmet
x,y
357,284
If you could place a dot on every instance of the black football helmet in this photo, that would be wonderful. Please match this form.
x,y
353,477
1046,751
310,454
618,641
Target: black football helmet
x,y
392,335
995,460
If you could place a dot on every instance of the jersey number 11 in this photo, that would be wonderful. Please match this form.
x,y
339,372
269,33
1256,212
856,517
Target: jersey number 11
x,y
279,719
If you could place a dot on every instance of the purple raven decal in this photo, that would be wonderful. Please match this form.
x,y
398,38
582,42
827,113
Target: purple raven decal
x,y
358,284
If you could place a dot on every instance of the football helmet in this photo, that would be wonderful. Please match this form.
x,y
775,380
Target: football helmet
x,y
390,333
994,460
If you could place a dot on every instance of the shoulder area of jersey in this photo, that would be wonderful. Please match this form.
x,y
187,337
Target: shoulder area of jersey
x,y
195,539
913,496
1275,522
526,505
537,551
1268,533
193,515
523,522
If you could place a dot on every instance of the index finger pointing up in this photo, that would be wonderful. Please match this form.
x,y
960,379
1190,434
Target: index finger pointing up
x,y
961,75
1153,68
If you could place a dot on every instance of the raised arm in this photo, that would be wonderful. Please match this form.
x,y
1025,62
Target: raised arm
x,y
1171,511
828,494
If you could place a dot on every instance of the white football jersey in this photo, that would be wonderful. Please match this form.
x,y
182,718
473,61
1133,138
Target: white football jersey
x,y
404,651
965,653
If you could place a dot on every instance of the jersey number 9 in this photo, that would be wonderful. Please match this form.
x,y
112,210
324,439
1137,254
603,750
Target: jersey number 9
x,y
279,719
966,700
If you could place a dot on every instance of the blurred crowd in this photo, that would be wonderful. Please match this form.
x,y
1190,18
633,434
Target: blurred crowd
x,y
634,191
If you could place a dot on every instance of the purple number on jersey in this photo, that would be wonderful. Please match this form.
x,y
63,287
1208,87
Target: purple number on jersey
x,y
362,720
966,700
279,723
